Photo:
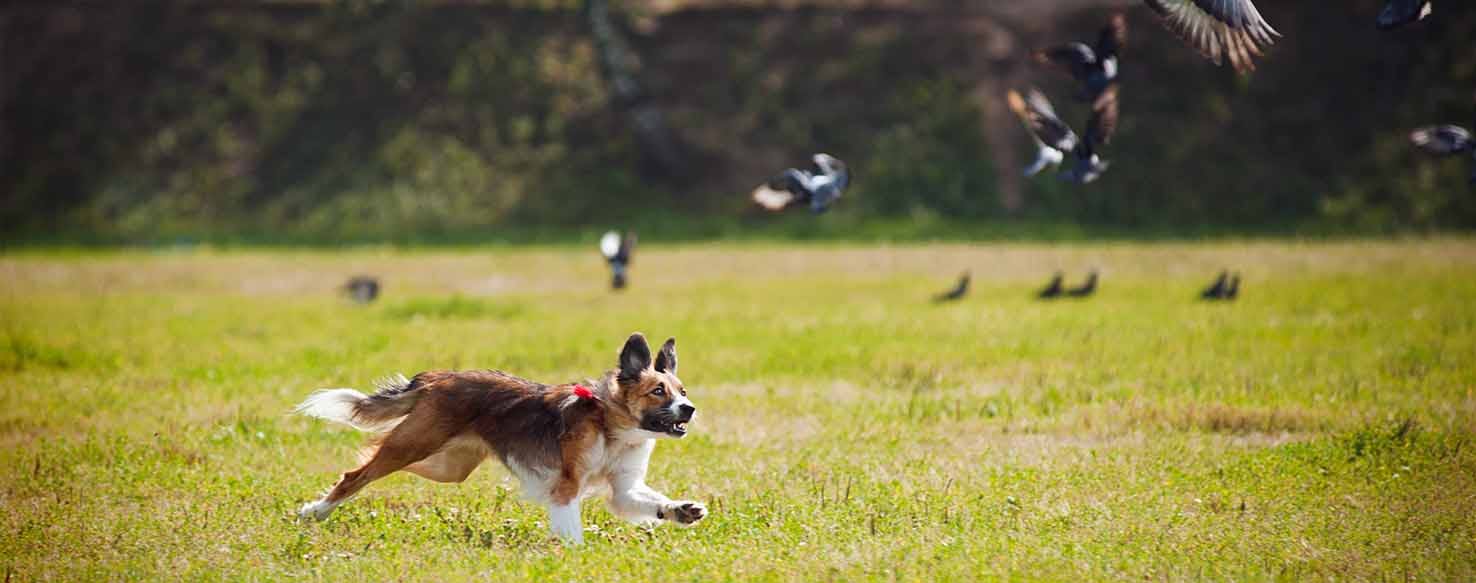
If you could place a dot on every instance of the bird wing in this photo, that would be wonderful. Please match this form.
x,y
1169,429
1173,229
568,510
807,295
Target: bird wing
x,y
1442,140
1113,36
783,190
1040,118
771,198
1104,118
839,174
610,244
1397,13
1218,28
1074,58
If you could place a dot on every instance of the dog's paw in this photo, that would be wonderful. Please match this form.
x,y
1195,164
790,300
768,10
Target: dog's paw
x,y
687,513
316,511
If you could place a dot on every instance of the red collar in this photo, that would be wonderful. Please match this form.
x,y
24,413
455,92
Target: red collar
x,y
583,392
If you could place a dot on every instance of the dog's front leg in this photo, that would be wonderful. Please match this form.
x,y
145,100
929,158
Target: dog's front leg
x,y
637,502
563,519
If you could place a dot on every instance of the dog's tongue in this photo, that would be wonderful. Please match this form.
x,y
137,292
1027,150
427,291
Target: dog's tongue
x,y
583,392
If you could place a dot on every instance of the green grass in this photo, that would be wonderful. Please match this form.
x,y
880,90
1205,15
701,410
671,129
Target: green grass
x,y
1320,427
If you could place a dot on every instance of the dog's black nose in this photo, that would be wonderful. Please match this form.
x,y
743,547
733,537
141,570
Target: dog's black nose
x,y
687,411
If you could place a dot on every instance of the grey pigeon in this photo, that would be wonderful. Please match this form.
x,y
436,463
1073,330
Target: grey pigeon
x,y
1218,29
959,290
1089,164
1446,140
1053,138
819,187
1397,13
617,251
1233,291
1095,67
362,289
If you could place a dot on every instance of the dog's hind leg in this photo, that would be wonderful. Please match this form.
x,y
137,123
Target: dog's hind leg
x,y
414,439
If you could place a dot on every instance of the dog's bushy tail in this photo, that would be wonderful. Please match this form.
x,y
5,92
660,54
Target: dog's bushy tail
x,y
375,413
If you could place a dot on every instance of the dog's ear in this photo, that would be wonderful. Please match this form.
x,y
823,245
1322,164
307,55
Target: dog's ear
x,y
635,357
666,358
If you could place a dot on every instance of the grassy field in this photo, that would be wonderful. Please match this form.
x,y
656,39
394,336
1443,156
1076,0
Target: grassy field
x,y
1320,427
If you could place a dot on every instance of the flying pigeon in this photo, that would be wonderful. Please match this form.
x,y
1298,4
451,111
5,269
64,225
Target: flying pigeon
x,y
1233,291
958,292
1053,138
362,289
1446,140
617,251
1216,291
1103,123
1218,28
819,187
1397,13
1094,67
1086,289
1052,290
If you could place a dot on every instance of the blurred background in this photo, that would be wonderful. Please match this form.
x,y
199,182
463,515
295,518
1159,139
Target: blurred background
x,y
304,121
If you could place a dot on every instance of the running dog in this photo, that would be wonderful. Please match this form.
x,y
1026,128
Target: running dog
x,y
563,442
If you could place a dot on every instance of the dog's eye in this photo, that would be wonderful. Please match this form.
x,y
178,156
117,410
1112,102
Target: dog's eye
x,y
684,392
660,391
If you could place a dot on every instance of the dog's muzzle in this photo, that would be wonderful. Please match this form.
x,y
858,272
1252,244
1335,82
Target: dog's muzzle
x,y
665,421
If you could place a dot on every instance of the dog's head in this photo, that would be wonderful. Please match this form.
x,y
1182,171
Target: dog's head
x,y
650,390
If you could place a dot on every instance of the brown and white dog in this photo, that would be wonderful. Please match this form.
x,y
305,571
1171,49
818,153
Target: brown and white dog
x,y
563,442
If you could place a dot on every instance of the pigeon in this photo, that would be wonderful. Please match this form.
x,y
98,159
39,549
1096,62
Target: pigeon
x,y
819,187
1233,291
1446,140
1052,290
1218,28
1094,67
1397,13
1216,291
1053,138
362,289
617,251
1086,289
958,292
1089,165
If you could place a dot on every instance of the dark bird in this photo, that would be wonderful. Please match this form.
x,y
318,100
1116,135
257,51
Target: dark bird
x,y
1089,165
1086,289
617,251
1052,290
362,289
819,187
959,290
1216,291
1397,13
1095,67
1054,139
1218,29
1233,291
1446,140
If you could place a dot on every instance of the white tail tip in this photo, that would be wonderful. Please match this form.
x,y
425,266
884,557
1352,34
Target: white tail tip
x,y
336,405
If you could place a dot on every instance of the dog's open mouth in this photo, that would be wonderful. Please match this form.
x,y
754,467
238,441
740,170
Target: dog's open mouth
x,y
670,426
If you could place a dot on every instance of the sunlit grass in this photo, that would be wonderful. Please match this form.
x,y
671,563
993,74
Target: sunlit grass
x,y
849,428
